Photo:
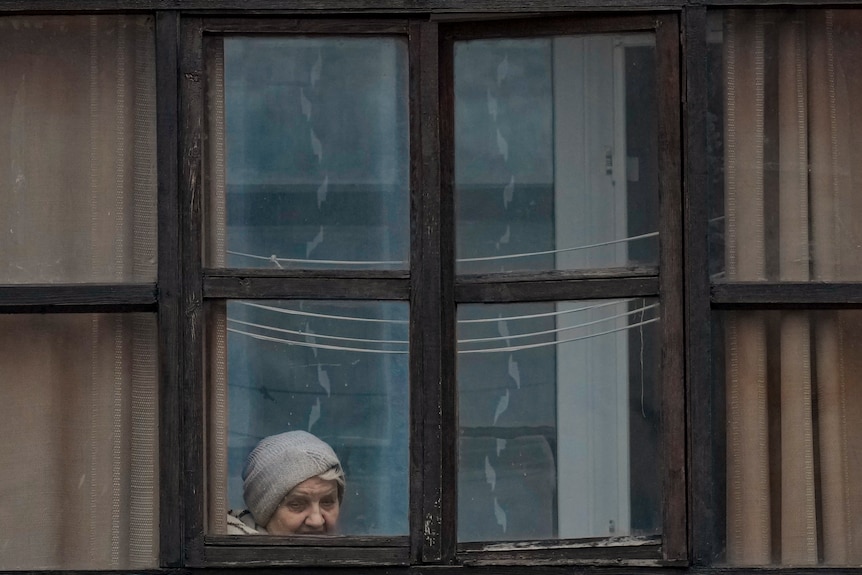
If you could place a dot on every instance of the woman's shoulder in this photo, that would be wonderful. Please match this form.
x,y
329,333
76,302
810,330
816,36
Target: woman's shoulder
x,y
242,523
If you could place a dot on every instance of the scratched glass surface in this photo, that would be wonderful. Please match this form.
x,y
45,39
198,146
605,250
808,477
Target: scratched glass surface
x,y
556,163
559,420
309,153
336,369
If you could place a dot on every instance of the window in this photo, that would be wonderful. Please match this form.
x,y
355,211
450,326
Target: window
x,y
80,415
348,240
561,286
784,176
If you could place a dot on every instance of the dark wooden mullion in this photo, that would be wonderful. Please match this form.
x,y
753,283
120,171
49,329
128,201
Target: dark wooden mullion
x,y
246,556
673,429
553,290
341,26
170,292
75,298
427,343
222,287
191,130
704,528
583,24
786,295
638,551
445,89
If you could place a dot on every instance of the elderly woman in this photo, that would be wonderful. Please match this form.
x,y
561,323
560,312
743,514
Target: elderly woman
x,y
293,484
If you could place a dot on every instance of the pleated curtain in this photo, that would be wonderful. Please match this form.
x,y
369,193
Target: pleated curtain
x,y
793,200
78,416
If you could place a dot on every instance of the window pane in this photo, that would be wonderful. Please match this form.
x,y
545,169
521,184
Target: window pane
x,y
78,459
77,149
309,155
338,370
555,153
559,420
793,447
785,145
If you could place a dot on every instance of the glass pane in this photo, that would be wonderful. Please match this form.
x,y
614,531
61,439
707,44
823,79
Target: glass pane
x,y
79,451
559,420
309,153
786,385
338,370
785,145
77,149
555,153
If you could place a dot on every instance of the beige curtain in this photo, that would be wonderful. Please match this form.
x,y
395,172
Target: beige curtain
x,y
216,246
78,459
793,177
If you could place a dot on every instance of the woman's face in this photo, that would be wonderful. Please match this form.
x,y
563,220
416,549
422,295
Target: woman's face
x,y
310,508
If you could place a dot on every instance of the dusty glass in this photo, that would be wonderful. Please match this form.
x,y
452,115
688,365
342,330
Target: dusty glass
x,y
559,411
556,164
308,163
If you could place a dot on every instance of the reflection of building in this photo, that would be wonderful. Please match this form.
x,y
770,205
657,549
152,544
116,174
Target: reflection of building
x,y
571,287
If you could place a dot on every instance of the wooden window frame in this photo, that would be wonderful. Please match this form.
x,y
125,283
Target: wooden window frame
x,y
182,286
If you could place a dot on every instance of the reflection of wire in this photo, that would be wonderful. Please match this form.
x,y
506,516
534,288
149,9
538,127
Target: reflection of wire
x,y
307,334
561,250
558,342
277,260
560,329
320,315
314,345
548,314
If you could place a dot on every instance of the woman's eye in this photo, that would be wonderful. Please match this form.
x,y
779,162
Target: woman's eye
x,y
327,503
295,505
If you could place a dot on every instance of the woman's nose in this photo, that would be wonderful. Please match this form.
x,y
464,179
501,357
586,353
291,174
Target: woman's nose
x,y
314,517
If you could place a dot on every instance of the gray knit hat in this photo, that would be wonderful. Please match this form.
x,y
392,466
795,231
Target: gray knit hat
x,y
278,464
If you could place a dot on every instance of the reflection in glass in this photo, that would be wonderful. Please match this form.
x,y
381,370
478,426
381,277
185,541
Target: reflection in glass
x,y
559,420
793,445
77,149
785,145
338,370
309,153
79,483
556,163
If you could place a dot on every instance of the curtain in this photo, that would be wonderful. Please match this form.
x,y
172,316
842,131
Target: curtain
x,y
78,460
793,169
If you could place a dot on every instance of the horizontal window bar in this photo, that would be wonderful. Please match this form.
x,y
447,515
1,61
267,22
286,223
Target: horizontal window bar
x,y
777,295
481,291
310,285
68,298
303,26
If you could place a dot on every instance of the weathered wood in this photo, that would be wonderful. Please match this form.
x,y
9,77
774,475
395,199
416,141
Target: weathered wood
x,y
560,275
254,556
704,523
426,330
170,292
526,291
304,26
538,27
345,541
26,298
635,551
786,295
190,190
673,428
306,288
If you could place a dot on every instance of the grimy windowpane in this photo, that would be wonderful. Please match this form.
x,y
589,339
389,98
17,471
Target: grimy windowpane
x,y
77,149
309,155
78,461
336,370
556,163
559,410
